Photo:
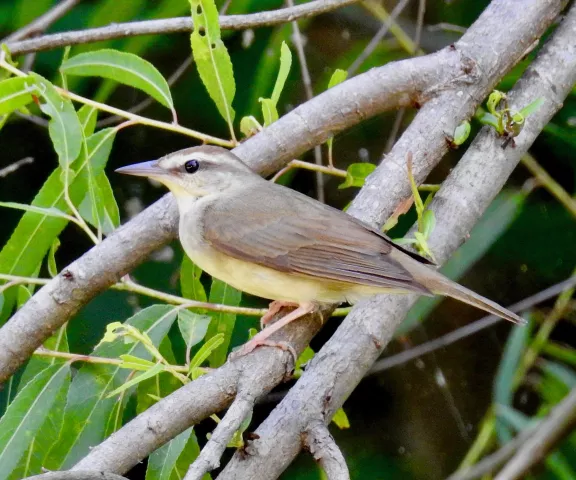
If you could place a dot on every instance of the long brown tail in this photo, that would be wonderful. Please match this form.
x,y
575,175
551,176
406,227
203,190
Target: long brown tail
x,y
439,284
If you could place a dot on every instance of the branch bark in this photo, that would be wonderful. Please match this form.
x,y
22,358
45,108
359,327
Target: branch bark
x,y
321,444
346,357
173,25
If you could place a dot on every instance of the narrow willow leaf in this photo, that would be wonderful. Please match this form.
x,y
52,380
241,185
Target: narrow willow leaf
x,y
190,283
285,64
206,350
212,58
49,211
64,127
88,410
340,419
162,462
356,174
27,413
504,381
122,67
24,294
222,322
152,372
51,263
135,363
193,326
46,437
15,93
99,207
337,77
189,454
88,117
269,112
33,236
249,126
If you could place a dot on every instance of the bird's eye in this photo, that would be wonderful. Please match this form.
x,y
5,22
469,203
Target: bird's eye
x,y
192,166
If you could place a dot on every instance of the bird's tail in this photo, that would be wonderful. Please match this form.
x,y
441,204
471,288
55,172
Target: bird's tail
x,y
439,284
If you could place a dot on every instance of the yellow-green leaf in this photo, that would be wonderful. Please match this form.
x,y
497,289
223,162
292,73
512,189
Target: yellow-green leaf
x,y
285,64
15,93
122,67
356,174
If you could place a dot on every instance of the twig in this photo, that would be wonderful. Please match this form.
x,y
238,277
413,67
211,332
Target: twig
x,y
380,34
15,166
307,82
550,431
77,475
544,179
209,457
323,448
174,25
490,463
43,22
309,166
466,331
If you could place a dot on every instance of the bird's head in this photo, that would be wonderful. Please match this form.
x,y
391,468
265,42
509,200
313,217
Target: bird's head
x,y
195,172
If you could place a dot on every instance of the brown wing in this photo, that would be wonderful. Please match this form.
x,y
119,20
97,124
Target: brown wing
x,y
287,231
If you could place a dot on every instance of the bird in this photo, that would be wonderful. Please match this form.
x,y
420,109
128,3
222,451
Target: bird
x,y
273,242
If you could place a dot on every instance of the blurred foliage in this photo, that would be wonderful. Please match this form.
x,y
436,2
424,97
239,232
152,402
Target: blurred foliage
x,y
419,420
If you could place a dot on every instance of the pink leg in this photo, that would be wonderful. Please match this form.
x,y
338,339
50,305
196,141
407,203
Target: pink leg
x,y
262,337
273,309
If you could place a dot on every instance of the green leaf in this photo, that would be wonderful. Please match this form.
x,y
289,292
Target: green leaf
x,y
15,93
193,326
340,419
51,263
64,127
48,211
88,116
356,174
152,372
89,410
135,363
190,283
269,111
532,107
99,207
162,462
222,322
206,350
212,58
285,64
189,454
337,77
461,133
122,67
249,126
24,295
504,381
27,413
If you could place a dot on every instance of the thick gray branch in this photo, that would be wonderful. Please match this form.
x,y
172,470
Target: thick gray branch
x,y
174,25
392,86
321,444
348,355
91,475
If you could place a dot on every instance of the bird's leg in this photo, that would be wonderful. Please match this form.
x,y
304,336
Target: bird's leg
x,y
261,338
273,309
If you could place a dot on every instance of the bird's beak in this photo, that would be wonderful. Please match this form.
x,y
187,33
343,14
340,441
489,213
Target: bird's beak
x,y
144,169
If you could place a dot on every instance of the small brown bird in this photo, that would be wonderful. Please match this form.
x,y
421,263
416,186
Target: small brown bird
x,y
273,242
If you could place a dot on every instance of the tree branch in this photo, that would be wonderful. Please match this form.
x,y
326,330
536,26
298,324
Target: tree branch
x,y
174,25
91,475
391,86
209,458
321,444
43,22
550,432
347,356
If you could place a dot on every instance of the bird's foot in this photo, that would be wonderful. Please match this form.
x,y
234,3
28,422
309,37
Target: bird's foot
x,y
251,345
273,309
